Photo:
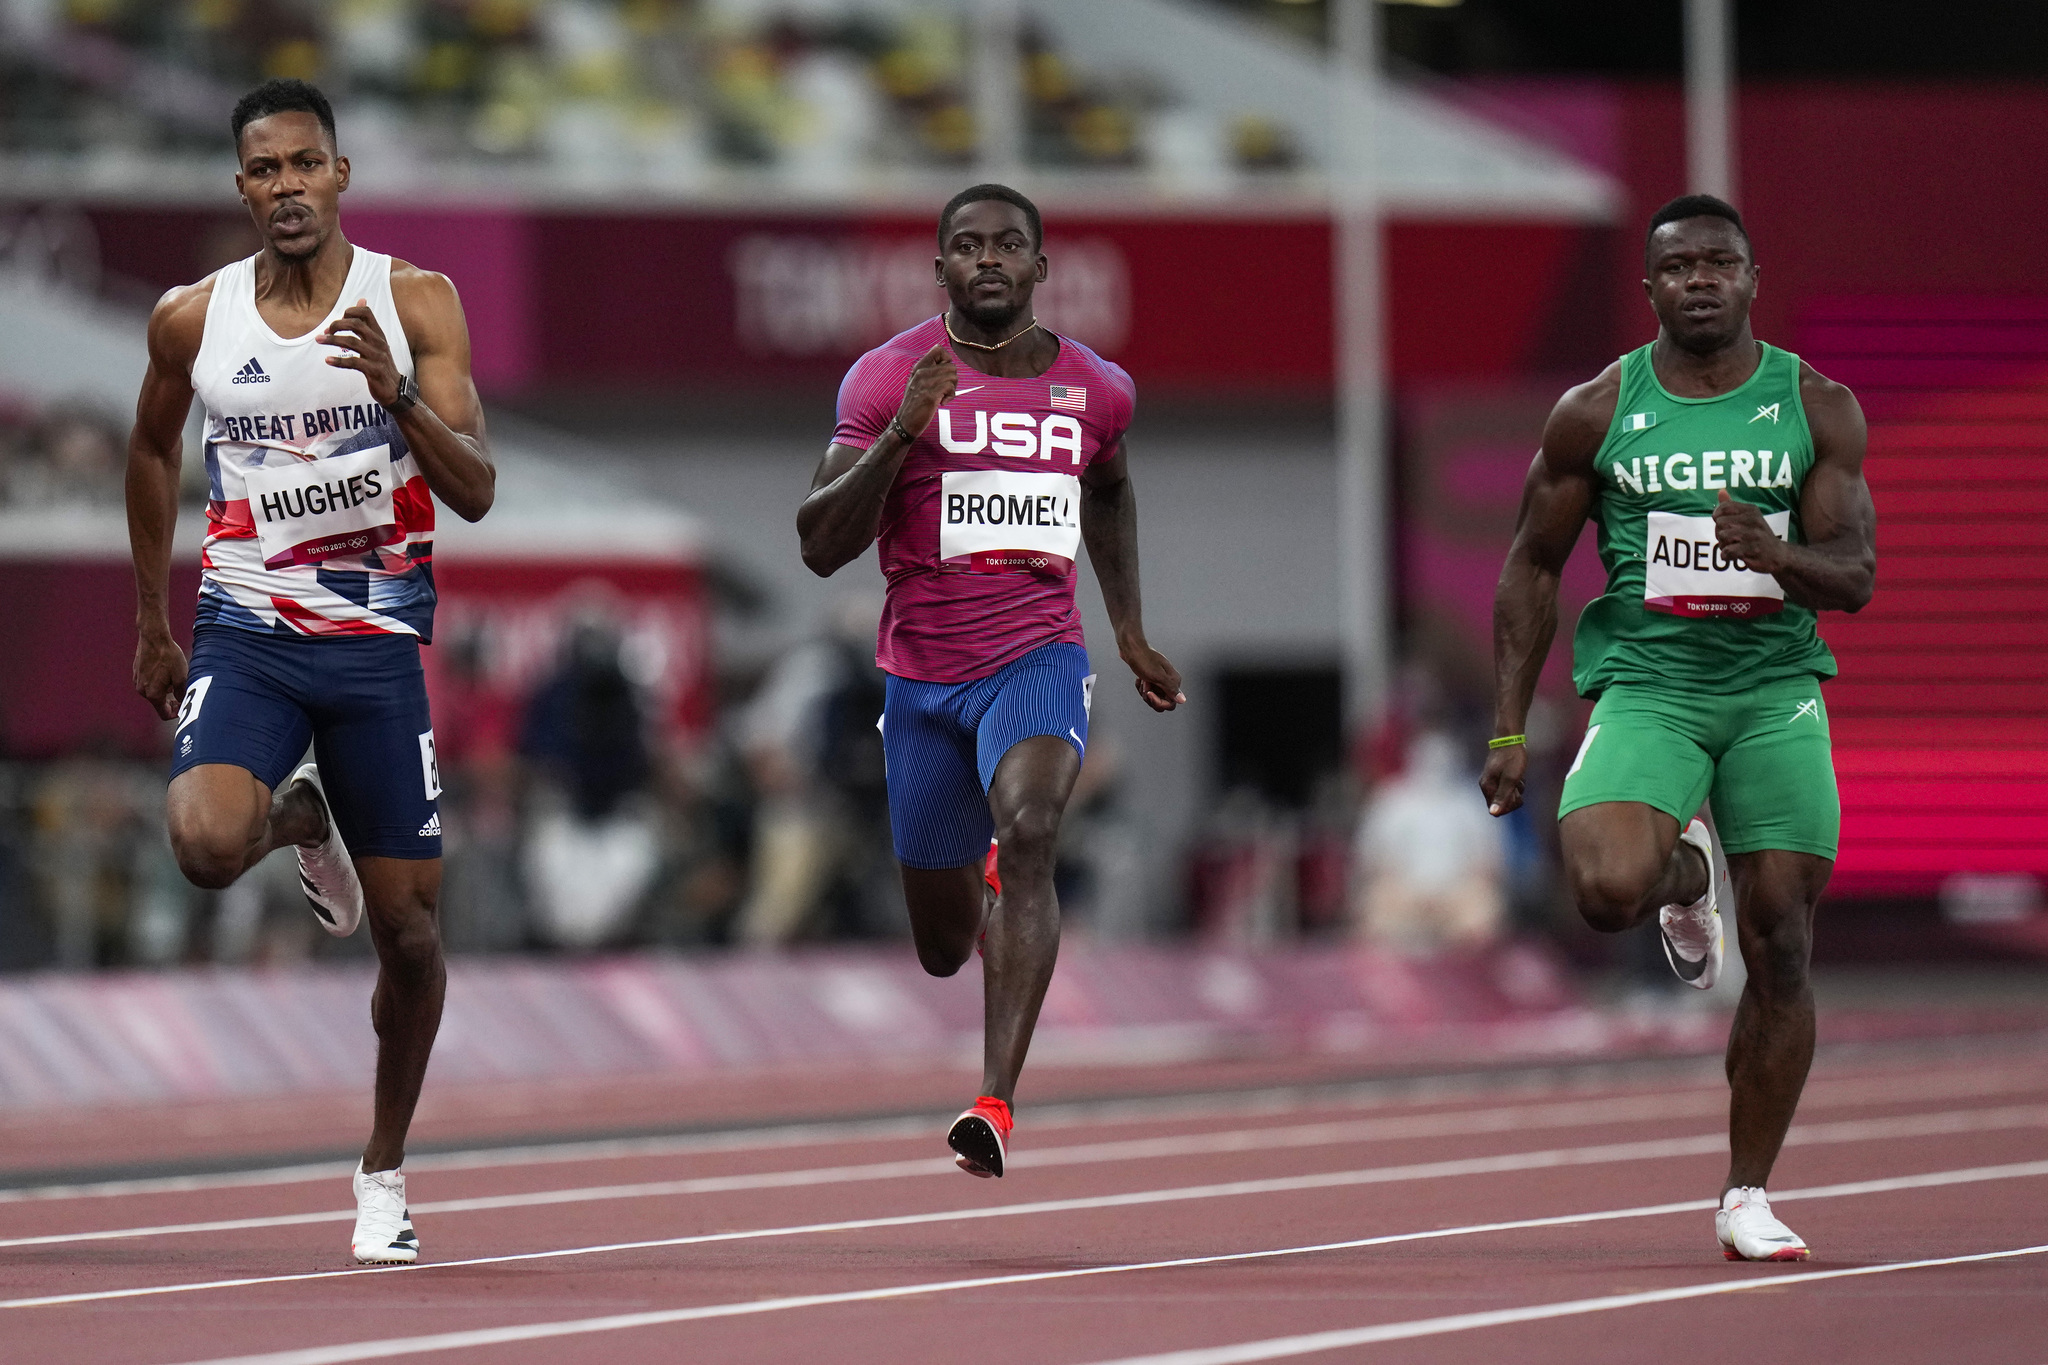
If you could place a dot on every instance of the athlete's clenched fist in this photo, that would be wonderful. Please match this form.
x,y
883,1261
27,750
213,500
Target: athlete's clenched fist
x,y
1158,680
931,384
160,671
1742,533
363,348
1503,778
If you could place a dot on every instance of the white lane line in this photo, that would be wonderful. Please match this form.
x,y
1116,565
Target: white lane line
x,y
1508,1118
1707,1144
1229,1355
1277,1348
1820,1094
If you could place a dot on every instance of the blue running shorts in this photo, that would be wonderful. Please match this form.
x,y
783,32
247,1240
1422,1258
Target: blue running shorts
x,y
255,700
942,742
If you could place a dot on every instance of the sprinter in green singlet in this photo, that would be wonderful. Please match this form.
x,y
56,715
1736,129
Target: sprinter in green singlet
x,y
1726,479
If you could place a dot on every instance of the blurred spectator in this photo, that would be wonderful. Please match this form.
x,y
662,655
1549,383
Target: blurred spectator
x,y
1246,869
604,92
811,744
707,807
476,731
593,845
1100,867
102,865
1429,859
70,456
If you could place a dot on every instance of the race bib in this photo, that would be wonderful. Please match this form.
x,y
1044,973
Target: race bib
x,y
1002,521
319,509
1686,573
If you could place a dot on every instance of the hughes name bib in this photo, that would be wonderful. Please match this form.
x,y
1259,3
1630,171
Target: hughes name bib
x,y
321,509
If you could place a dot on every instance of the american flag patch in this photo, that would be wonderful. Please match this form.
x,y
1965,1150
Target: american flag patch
x,y
1070,396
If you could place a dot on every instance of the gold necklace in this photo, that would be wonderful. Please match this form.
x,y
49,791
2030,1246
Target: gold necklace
x,y
948,321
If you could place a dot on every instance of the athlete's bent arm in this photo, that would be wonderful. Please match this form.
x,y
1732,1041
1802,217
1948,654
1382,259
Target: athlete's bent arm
x,y
1836,569
445,428
1555,501
842,515
155,455
1109,525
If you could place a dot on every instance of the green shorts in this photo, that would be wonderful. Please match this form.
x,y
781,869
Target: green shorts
x,y
1762,755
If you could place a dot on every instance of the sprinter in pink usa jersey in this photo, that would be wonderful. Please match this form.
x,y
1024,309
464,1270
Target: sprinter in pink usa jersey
x,y
983,451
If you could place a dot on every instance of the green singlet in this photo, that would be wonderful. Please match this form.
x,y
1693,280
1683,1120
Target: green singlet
x,y
1676,610
1707,679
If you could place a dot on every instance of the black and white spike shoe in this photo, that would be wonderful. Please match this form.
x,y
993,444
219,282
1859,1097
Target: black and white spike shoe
x,y
383,1234
326,873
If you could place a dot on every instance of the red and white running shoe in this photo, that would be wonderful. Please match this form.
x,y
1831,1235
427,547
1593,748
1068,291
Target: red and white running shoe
x,y
1748,1232
980,1138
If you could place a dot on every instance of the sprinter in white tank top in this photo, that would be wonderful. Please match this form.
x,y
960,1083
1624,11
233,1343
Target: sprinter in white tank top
x,y
338,407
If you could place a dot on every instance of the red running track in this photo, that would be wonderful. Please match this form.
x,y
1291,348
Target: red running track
x,y
1525,1220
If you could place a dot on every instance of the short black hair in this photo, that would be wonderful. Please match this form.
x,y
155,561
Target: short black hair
x,y
282,97
1697,206
975,194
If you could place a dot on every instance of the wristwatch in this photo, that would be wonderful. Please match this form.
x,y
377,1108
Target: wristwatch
x,y
408,394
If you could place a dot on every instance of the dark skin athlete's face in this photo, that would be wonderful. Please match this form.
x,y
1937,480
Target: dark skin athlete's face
x,y
1701,283
989,264
292,180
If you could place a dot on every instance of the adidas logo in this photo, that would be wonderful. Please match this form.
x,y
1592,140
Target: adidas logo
x,y
251,373
431,829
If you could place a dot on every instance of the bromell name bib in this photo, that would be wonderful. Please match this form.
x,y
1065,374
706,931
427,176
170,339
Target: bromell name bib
x,y
1001,521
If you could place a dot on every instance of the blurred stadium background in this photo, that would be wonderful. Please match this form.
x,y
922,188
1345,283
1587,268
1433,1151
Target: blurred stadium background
x,y
675,224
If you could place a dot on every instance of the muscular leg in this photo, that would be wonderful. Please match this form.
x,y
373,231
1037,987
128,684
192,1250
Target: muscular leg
x,y
223,822
1027,798
1771,1045
401,900
947,905
1623,860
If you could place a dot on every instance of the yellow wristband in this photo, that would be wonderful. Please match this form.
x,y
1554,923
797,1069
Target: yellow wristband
x,y
1507,741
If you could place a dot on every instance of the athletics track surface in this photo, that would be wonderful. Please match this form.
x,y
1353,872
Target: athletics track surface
x,y
1526,1216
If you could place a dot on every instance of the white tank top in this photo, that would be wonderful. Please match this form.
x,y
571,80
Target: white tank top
x,y
318,520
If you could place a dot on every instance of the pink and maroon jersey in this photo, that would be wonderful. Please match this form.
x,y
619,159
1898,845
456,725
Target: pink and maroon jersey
x,y
983,523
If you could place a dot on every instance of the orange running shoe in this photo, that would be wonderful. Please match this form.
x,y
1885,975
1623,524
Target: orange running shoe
x,y
980,1138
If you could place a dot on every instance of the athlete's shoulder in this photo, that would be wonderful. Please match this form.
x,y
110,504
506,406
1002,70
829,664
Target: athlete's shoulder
x,y
1105,375
873,385
426,300
893,360
1832,412
908,346
1580,421
411,284
1815,387
1111,374
177,324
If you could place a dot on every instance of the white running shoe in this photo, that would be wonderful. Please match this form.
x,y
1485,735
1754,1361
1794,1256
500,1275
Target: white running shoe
x,y
1692,933
1748,1232
383,1234
327,873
